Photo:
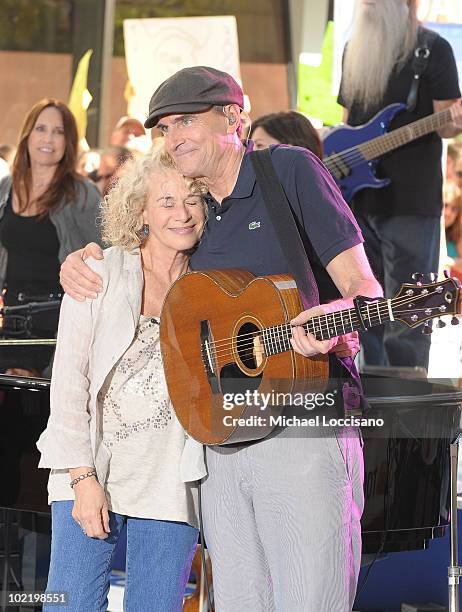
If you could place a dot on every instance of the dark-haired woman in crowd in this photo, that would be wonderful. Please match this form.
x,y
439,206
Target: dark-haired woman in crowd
x,y
290,128
46,211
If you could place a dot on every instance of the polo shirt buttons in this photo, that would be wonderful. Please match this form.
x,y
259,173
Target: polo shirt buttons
x,y
218,217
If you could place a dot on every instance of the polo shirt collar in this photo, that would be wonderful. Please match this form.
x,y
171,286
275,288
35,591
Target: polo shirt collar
x,y
246,179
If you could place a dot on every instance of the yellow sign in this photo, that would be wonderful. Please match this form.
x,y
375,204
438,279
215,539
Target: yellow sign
x,y
80,97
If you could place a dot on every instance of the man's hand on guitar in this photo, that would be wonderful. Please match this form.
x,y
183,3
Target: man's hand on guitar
x,y
77,279
306,344
456,113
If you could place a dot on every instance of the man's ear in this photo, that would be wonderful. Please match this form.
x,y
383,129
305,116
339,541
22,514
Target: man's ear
x,y
232,113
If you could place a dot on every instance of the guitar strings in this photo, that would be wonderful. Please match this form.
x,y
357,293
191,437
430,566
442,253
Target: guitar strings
x,y
285,327
325,325
356,157
395,137
248,350
280,335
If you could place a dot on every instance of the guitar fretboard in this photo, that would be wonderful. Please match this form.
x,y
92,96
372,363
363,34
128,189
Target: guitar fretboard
x,y
276,339
401,136
376,147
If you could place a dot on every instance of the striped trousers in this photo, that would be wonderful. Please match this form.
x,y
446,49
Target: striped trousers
x,y
282,523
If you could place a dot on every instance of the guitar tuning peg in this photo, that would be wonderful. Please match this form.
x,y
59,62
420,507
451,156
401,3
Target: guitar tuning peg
x,y
454,321
440,324
417,277
427,328
447,273
432,277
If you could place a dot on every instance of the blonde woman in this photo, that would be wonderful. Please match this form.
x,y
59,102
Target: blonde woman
x,y
115,448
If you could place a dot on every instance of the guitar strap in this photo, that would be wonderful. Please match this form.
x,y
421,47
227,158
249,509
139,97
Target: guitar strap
x,y
422,52
283,219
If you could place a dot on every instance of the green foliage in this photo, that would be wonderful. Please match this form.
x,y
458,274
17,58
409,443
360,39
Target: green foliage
x,y
315,97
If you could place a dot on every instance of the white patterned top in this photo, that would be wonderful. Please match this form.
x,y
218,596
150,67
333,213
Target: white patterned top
x,y
143,435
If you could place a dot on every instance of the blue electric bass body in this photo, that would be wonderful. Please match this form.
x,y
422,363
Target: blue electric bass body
x,y
351,153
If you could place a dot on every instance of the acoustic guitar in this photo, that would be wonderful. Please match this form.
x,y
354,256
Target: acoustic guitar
x,y
225,344
351,153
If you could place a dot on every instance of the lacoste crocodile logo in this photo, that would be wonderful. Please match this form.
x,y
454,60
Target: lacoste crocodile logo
x,y
254,225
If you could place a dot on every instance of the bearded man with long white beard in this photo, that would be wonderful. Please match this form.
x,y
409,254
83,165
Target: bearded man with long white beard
x,y
400,222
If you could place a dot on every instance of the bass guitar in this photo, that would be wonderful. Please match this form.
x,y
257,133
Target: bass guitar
x,y
351,153
225,334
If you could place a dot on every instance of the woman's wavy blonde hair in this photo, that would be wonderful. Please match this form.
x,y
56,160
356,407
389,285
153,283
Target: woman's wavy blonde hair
x,y
122,208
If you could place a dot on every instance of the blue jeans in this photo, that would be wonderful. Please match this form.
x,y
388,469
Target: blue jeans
x,y
159,556
397,247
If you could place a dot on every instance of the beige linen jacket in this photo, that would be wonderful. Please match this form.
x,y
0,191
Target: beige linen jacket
x,y
92,336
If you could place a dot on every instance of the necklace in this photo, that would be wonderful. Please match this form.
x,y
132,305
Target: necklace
x,y
42,184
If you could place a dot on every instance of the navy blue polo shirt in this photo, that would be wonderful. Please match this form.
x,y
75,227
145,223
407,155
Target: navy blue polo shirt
x,y
239,233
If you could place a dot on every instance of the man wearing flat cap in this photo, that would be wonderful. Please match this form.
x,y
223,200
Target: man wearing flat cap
x,y
281,515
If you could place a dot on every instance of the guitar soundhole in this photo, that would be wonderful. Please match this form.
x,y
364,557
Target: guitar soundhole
x,y
246,347
234,380
232,377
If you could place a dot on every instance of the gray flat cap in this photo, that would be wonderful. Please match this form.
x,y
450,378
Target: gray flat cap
x,y
193,90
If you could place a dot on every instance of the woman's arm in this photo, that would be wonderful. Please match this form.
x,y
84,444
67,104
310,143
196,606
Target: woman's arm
x,y
66,441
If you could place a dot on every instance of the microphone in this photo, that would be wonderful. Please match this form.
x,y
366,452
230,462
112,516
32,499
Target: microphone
x,y
31,307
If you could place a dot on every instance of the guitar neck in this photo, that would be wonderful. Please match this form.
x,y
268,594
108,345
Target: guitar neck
x,y
276,339
413,305
396,138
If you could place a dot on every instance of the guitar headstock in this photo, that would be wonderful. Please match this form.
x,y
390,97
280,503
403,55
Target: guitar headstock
x,y
415,304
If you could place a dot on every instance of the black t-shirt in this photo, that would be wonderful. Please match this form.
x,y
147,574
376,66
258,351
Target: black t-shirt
x,y
33,246
415,168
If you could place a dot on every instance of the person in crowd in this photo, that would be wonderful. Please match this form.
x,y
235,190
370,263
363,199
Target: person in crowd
x,y
458,171
454,151
126,129
290,128
4,168
6,159
452,197
116,451
267,556
111,160
401,222
7,152
46,211
88,162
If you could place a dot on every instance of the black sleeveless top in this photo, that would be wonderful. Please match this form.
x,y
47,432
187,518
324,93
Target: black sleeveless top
x,y
33,246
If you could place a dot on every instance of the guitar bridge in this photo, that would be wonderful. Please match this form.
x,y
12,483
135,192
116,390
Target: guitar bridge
x,y
208,356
